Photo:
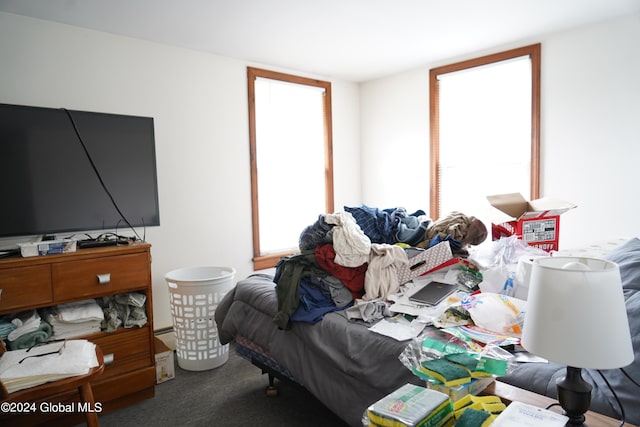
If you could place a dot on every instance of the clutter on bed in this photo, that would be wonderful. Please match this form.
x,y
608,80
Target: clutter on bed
x,y
371,253
454,364
506,266
360,337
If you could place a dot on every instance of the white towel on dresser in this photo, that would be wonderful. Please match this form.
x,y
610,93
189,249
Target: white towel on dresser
x,y
80,311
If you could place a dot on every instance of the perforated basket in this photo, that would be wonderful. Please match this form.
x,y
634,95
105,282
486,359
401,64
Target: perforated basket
x,y
194,295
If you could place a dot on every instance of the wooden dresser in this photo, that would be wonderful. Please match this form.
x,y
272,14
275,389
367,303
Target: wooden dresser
x,y
44,281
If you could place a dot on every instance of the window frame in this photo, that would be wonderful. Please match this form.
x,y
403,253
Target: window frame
x,y
261,261
534,52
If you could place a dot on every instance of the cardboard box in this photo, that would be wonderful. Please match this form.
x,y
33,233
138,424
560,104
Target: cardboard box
x,y
536,222
423,261
165,368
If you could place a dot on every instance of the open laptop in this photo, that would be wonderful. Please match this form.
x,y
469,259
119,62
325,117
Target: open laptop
x,y
433,293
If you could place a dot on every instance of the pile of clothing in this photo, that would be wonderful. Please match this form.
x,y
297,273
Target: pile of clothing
x,y
359,253
126,310
24,330
74,319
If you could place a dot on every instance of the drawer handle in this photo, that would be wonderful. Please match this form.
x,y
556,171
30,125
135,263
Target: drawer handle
x,y
104,279
108,359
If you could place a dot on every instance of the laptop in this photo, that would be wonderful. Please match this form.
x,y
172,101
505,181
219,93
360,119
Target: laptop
x,y
433,293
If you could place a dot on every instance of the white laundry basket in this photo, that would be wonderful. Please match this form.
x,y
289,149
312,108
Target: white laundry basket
x,y
194,294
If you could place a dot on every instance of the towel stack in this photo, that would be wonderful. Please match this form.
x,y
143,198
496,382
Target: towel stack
x,y
6,327
24,330
74,319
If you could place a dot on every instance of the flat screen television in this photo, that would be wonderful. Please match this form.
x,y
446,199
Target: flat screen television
x,y
49,185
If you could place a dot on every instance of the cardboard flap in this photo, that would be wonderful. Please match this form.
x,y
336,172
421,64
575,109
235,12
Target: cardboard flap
x,y
512,204
517,207
549,204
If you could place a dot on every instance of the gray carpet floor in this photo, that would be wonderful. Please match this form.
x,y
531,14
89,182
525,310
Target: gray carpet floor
x,y
228,396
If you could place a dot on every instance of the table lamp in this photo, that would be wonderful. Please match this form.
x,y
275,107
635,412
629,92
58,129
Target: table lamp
x,y
576,316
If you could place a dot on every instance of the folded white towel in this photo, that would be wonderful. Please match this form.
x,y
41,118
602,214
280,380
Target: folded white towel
x,y
80,311
73,330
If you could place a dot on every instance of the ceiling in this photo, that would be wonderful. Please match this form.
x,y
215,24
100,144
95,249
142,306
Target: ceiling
x,y
354,40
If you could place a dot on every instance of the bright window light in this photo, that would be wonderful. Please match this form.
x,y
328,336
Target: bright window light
x,y
290,161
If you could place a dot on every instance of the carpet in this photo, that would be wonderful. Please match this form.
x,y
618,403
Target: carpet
x,y
228,396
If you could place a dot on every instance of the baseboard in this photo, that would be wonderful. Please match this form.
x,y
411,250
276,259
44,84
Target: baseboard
x,y
163,330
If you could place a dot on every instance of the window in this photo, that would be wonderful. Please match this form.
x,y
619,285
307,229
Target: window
x,y
485,130
291,160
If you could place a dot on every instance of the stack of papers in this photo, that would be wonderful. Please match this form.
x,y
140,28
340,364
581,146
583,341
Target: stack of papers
x,y
19,369
520,414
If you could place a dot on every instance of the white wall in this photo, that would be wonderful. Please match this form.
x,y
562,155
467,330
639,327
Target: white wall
x,y
590,131
395,141
199,105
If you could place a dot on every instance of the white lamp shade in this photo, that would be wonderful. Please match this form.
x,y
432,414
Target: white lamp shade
x,y
576,315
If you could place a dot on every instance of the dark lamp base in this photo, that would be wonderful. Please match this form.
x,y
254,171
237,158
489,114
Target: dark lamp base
x,y
574,395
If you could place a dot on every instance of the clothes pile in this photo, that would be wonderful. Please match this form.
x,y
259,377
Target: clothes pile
x,y
74,319
125,310
358,255
24,330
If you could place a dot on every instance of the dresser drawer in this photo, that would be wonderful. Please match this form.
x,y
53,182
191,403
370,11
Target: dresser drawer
x,y
129,350
25,287
100,277
125,389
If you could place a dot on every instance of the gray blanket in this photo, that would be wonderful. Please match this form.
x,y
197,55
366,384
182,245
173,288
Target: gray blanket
x,y
346,366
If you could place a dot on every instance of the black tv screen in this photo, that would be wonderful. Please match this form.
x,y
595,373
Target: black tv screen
x,y
49,185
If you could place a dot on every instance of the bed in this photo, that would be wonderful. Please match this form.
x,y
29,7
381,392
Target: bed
x,y
341,362
347,367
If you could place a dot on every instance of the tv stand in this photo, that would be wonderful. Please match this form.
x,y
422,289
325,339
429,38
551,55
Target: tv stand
x,y
49,280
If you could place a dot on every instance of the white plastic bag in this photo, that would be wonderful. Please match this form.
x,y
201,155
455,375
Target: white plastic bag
x,y
498,262
497,313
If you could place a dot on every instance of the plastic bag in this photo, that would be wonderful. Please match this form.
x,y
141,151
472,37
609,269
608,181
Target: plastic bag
x,y
438,343
496,312
498,262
